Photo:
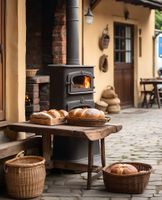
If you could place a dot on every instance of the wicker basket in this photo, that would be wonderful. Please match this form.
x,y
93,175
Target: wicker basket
x,y
31,72
130,184
25,176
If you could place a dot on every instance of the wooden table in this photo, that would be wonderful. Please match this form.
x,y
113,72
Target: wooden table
x,y
154,82
90,134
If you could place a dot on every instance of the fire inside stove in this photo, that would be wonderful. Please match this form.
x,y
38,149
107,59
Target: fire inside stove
x,y
28,101
82,82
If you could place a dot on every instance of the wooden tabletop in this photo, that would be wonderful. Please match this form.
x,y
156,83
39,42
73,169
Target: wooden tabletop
x,y
151,81
90,133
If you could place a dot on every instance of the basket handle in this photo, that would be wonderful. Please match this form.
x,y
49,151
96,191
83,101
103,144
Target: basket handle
x,y
20,154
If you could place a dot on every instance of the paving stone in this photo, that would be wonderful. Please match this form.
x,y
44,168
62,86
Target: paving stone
x,y
102,193
155,177
55,189
50,198
157,183
150,187
59,195
143,195
96,198
140,198
120,198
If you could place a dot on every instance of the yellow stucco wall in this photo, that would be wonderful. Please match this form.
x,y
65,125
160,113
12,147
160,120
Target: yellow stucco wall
x,y
15,59
108,12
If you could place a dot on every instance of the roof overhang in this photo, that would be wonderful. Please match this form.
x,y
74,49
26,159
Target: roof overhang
x,y
152,4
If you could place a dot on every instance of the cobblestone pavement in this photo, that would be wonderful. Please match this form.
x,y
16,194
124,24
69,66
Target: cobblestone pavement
x,y
140,140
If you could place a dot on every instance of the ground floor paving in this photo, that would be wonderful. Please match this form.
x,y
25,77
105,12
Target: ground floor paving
x,y
140,140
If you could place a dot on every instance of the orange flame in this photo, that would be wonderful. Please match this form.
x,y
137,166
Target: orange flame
x,y
87,82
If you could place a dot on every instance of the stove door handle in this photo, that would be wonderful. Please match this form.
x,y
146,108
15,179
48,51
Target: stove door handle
x,y
68,83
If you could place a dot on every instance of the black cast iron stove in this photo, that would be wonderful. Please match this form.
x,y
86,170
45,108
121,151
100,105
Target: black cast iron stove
x,y
71,86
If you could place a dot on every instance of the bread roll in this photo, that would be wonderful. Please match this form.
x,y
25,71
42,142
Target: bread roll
x,y
86,113
123,169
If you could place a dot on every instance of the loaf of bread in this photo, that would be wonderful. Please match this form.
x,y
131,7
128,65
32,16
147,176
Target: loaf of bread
x,y
86,113
49,117
122,169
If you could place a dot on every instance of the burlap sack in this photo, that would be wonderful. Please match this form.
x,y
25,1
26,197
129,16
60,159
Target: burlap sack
x,y
101,105
114,109
112,101
109,93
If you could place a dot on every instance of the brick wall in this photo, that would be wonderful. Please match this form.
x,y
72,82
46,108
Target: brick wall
x,y
59,37
34,34
46,44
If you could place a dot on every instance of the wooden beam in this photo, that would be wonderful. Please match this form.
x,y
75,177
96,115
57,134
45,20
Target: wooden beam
x,y
150,4
3,124
13,147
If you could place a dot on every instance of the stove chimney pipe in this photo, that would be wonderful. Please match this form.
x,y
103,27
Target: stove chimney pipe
x,y
72,34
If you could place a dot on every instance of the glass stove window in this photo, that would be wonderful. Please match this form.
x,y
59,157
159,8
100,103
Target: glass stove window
x,y
81,81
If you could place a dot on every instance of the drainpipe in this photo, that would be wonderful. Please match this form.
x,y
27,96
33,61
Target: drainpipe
x,y
72,33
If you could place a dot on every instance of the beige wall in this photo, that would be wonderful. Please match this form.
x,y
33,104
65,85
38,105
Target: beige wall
x,y
15,59
140,17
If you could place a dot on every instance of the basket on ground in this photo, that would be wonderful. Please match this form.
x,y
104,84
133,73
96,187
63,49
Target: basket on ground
x,y
132,183
25,176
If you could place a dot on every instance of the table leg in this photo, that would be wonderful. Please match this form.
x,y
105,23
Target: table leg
x,y
90,164
103,160
47,148
157,94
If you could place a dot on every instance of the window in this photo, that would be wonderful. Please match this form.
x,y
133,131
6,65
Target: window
x,y
123,46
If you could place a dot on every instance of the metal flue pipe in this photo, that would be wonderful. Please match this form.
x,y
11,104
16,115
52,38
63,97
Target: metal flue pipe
x,y
72,33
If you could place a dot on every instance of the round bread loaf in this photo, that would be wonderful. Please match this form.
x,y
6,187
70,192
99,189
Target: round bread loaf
x,y
123,169
86,113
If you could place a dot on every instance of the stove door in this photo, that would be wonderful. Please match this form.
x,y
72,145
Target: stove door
x,y
80,82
